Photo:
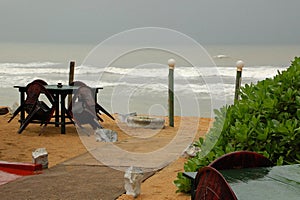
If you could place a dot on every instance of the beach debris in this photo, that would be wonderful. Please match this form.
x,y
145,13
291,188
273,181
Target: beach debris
x,y
3,110
123,117
145,122
40,156
192,150
106,135
133,179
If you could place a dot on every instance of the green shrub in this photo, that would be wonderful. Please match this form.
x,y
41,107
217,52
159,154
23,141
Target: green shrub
x,y
266,120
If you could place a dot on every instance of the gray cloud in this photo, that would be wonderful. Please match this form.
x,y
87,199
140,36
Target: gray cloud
x,y
215,21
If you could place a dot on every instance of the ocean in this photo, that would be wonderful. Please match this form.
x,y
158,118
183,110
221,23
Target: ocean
x,y
137,80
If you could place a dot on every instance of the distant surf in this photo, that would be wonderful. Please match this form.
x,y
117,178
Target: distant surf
x,y
221,56
133,83
187,79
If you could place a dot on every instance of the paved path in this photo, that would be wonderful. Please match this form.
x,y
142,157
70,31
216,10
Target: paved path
x,y
79,178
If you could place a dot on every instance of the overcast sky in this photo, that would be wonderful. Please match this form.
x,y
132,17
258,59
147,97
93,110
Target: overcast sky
x,y
208,22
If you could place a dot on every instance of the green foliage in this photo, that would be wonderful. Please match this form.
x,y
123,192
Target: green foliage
x,y
266,120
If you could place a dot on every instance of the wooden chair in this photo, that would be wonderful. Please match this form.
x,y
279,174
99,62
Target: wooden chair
x,y
239,160
37,111
211,185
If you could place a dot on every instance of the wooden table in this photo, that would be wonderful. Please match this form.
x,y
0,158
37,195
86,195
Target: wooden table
x,y
60,94
278,182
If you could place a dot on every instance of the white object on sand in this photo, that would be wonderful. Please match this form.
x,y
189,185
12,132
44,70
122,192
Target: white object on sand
x,y
133,179
40,156
106,135
192,150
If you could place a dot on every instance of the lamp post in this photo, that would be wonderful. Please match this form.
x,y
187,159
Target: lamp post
x,y
171,63
239,68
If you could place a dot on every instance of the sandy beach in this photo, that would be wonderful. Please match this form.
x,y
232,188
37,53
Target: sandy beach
x,y
18,147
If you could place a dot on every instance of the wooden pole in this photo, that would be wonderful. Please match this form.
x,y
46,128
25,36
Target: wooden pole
x,y
239,68
171,63
71,73
71,78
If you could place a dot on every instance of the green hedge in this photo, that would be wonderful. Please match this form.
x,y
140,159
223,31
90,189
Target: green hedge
x,y
266,120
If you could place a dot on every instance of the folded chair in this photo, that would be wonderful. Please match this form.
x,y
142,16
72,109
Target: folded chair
x,y
40,81
37,111
98,107
84,108
77,83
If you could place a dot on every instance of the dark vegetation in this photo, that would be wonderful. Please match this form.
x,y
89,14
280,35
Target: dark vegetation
x,y
265,120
